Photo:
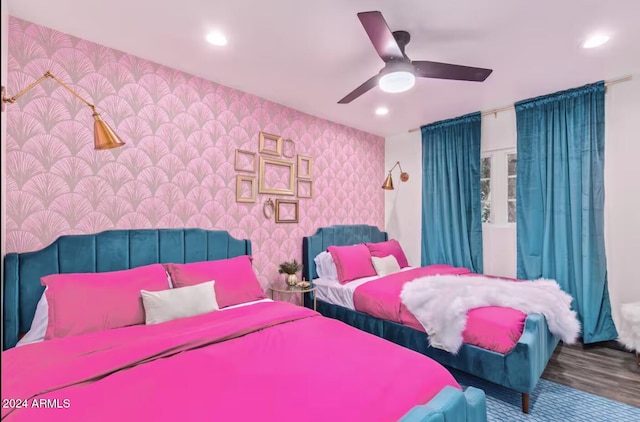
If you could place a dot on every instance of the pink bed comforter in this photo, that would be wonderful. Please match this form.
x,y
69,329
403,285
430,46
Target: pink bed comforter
x,y
268,361
491,327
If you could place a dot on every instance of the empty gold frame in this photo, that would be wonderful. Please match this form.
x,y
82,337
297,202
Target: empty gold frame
x,y
286,211
276,187
241,181
305,189
245,161
266,144
288,148
305,165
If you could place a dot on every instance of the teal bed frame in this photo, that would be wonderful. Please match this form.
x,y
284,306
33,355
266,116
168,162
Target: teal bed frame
x,y
124,249
518,370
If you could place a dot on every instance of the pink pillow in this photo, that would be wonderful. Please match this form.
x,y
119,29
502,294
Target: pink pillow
x,y
86,302
352,262
390,247
235,280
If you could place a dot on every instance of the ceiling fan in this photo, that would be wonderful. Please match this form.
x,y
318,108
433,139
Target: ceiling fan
x,y
400,72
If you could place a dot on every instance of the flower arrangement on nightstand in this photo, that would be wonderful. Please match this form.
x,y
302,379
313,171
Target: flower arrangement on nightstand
x,y
290,268
294,285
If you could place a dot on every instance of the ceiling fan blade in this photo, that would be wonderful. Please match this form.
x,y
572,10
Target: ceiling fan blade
x,y
360,90
380,35
426,69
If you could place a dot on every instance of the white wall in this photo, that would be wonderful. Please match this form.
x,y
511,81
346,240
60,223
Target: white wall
x,y
499,237
403,205
622,192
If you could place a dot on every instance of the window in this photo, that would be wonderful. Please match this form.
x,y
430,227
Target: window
x,y
485,188
498,187
512,162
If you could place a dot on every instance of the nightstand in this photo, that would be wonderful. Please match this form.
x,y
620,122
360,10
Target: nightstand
x,y
294,290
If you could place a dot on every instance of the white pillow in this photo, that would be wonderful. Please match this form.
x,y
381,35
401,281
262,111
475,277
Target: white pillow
x,y
325,267
39,324
386,265
181,302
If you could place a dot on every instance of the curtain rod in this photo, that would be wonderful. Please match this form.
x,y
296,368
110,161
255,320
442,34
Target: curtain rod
x,y
506,108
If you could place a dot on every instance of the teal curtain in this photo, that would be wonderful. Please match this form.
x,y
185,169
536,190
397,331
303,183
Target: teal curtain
x,y
560,200
451,216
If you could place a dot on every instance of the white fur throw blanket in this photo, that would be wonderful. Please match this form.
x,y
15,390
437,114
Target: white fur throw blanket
x,y
629,329
440,303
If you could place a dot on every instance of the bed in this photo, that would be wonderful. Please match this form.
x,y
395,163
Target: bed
x,y
262,360
519,369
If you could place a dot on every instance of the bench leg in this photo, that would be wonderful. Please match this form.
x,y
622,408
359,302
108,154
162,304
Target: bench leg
x,y
525,402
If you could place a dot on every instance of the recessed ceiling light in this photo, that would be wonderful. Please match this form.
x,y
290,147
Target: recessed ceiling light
x,y
217,38
595,41
381,111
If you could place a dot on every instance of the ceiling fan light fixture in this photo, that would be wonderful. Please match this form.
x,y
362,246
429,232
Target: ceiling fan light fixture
x,y
397,81
400,72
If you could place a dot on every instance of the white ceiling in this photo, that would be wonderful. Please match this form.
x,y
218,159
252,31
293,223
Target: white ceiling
x,y
309,54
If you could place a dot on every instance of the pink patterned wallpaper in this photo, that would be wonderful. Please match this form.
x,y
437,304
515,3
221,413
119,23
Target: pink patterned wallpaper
x,y
177,169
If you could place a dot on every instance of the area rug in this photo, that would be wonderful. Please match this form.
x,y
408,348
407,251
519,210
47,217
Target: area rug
x,y
549,402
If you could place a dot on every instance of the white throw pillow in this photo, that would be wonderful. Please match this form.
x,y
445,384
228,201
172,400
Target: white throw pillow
x,y
325,267
181,302
386,265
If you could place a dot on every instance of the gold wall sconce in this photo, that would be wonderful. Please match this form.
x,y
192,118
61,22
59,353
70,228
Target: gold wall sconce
x,y
388,182
103,136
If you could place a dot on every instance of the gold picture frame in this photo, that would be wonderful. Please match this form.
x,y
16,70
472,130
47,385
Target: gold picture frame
x,y
288,148
263,148
263,188
240,179
305,194
237,164
305,161
279,203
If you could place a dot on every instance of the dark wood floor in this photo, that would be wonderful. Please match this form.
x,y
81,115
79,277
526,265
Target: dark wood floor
x,y
598,370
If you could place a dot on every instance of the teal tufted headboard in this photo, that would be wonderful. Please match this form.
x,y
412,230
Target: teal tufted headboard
x,y
339,235
107,251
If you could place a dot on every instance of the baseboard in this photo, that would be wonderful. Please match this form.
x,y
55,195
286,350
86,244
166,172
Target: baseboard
x,y
610,344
